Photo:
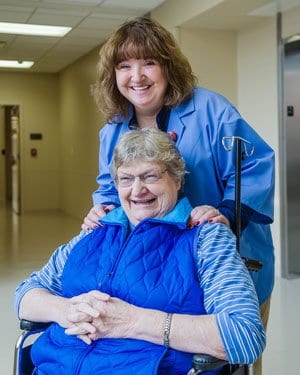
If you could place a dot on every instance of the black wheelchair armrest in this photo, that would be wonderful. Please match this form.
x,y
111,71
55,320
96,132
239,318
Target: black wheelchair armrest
x,y
205,362
22,361
27,325
252,264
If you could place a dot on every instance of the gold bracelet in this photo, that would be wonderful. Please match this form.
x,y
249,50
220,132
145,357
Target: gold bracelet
x,y
167,329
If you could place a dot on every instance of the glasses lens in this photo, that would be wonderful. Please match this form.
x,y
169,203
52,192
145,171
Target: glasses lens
x,y
147,178
126,180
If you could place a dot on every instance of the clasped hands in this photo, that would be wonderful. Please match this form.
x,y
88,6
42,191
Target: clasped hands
x,y
94,315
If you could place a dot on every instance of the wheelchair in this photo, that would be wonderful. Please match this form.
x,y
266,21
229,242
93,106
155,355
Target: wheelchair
x,y
23,365
201,363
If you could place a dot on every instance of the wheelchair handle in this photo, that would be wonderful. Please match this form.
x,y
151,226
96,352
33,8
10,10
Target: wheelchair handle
x,y
205,362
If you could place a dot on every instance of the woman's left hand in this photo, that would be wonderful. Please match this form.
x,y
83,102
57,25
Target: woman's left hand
x,y
202,214
116,320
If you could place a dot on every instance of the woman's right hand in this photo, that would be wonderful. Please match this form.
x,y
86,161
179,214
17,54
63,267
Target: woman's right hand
x,y
204,213
91,221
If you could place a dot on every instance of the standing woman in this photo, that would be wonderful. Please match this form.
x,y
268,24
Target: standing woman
x,y
144,80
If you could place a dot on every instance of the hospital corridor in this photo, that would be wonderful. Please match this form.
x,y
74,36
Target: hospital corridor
x,y
50,150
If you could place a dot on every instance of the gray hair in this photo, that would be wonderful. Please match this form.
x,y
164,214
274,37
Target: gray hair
x,y
149,144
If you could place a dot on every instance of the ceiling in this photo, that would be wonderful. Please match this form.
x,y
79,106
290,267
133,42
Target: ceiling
x,y
91,21
237,14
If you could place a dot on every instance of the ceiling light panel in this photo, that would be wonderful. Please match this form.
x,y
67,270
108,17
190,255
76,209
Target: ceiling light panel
x,y
293,38
28,29
75,2
16,64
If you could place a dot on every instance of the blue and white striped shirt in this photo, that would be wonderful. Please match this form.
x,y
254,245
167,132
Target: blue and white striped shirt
x,y
228,290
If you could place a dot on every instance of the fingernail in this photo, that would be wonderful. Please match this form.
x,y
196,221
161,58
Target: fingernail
x,y
106,209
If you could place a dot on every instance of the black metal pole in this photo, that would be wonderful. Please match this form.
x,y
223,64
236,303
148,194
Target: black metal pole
x,y
238,163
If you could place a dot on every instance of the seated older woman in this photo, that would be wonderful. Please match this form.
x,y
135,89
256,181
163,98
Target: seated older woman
x,y
142,292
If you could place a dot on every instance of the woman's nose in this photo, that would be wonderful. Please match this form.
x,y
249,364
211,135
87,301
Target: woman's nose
x,y
138,186
137,74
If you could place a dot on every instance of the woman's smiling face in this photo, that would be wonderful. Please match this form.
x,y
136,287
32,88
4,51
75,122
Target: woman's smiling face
x,y
146,189
143,83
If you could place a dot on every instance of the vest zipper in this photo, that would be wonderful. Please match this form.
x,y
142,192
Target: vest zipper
x,y
123,246
80,359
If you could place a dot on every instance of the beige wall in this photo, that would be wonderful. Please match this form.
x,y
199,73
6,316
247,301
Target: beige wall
x,y
37,95
60,107
80,124
211,53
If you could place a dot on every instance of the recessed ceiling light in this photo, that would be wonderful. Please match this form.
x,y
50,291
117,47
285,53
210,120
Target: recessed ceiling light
x,y
293,38
16,64
28,29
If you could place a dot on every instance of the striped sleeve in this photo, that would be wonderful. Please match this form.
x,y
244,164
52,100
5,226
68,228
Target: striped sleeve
x,y
49,277
229,294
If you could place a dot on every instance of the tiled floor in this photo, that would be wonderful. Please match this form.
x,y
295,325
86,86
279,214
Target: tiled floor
x,y
26,242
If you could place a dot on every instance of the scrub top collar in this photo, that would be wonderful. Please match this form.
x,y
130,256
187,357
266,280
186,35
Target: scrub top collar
x,y
162,119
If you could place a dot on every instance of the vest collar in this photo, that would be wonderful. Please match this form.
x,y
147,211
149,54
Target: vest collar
x,y
178,216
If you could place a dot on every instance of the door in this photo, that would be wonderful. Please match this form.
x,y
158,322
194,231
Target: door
x,y
292,131
12,157
15,160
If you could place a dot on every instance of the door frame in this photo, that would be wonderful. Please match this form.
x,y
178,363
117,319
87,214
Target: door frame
x,y
8,157
283,182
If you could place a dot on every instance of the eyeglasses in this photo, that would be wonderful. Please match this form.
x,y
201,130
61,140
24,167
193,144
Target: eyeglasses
x,y
147,178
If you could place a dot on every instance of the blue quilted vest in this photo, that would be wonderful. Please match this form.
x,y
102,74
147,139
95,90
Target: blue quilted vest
x,y
152,266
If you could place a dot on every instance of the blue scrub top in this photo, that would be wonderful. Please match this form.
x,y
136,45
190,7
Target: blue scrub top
x,y
200,123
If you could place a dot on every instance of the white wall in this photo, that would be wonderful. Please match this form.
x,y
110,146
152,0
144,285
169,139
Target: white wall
x,y
258,91
173,13
258,95
291,22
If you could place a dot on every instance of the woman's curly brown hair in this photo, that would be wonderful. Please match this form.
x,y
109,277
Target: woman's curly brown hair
x,y
141,38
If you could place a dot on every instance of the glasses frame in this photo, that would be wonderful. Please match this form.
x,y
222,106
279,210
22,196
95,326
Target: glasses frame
x,y
141,178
